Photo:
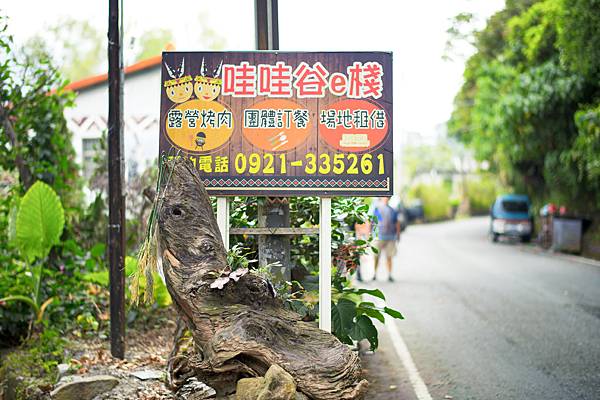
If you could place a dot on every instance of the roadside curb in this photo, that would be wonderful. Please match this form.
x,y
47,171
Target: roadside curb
x,y
563,256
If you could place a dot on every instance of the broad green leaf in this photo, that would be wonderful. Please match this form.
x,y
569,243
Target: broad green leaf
x,y
373,292
364,329
393,313
98,250
365,308
99,278
40,221
130,265
345,339
342,316
368,304
15,203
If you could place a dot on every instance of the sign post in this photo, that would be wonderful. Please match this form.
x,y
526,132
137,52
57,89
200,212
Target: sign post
x,y
279,124
223,219
325,263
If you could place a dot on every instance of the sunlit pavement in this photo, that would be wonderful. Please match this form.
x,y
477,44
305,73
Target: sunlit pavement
x,y
492,321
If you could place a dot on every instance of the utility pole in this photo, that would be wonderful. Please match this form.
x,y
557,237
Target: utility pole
x,y
267,25
275,212
116,196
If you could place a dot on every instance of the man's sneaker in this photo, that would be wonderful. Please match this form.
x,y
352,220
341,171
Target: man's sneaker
x,y
391,279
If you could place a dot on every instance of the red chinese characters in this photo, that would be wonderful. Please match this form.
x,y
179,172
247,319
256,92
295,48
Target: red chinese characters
x,y
310,81
359,81
275,80
239,80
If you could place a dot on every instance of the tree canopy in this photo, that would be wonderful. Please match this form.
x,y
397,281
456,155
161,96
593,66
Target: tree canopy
x,y
530,102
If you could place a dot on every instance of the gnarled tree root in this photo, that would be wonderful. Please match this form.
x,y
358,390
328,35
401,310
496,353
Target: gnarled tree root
x,y
241,329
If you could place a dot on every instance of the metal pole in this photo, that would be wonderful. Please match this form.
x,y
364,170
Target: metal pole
x,y
116,197
325,264
275,212
267,24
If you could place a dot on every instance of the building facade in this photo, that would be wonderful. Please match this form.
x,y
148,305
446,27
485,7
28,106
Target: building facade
x,y
88,118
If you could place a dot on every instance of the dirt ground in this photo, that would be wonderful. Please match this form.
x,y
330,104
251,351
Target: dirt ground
x,y
148,349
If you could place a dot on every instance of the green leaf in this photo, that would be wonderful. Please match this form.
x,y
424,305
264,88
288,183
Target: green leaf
x,y
342,317
15,203
345,339
373,292
98,250
371,312
99,278
369,308
40,221
131,264
364,329
393,313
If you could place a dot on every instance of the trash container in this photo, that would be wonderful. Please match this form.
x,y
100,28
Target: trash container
x,y
566,235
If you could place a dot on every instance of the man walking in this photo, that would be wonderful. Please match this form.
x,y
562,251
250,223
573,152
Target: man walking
x,y
387,233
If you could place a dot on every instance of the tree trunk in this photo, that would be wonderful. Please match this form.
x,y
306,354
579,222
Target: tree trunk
x,y
24,173
242,329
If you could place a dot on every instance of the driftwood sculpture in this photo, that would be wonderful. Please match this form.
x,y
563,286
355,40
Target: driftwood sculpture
x,y
241,329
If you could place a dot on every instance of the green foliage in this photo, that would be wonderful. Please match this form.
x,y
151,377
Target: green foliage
x,y
153,42
78,48
481,193
435,198
244,213
32,123
34,364
351,317
579,36
422,159
524,106
160,293
40,222
346,249
33,132
585,153
237,257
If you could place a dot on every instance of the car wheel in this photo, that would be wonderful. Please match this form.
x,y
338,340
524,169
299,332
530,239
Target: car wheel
x,y
495,237
526,238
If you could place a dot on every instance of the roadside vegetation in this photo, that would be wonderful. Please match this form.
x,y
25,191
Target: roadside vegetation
x,y
54,289
530,103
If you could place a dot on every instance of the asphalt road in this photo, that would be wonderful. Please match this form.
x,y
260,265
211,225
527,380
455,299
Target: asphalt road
x,y
492,321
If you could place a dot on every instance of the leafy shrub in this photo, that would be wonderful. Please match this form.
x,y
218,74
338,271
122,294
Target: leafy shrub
x,y
481,193
435,198
34,364
39,224
351,317
101,278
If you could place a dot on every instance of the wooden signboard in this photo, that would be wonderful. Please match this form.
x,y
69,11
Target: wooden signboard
x,y
273,123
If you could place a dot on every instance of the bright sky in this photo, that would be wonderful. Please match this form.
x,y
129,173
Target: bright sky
x,y
415,31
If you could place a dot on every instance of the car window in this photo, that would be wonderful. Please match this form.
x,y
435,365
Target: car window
x,y
515,206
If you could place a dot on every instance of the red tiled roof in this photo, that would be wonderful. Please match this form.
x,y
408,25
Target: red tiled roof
x,y
97,79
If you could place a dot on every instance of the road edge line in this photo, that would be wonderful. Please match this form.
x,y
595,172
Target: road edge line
x,y
405,357
561,256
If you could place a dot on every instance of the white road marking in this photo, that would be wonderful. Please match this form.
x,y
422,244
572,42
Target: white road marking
x,y
407,361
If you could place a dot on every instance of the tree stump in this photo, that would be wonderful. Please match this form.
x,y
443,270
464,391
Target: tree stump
x,y
238,325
